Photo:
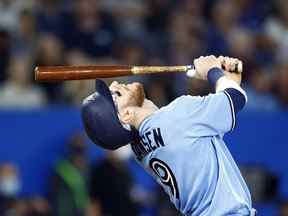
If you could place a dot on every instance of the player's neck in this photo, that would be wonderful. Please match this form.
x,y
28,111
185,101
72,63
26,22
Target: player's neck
x,y
147,109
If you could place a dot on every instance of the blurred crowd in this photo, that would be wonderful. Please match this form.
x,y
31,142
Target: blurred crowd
x,y
10,203
108,186
133,32
78,186
141,32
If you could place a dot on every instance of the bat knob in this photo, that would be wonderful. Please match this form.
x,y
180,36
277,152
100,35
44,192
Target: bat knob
x,y
191,71
238,68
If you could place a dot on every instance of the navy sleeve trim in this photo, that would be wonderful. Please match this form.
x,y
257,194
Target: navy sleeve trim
x,y
213,75
238,98
232,110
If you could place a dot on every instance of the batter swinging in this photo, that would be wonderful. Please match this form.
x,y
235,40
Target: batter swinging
x,y
180,144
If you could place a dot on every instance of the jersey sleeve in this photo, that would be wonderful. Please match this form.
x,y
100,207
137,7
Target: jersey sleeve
x,y
209,115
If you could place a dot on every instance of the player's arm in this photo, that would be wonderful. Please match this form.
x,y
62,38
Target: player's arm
x,y
210,68
220,109
229,83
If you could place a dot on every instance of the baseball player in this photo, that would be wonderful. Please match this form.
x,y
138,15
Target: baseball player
x,y
181,145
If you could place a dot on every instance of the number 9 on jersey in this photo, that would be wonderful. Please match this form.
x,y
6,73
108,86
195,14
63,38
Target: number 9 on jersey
x,y
162,170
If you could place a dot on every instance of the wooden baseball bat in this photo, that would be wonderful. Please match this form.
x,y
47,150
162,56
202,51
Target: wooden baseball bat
x,y
61,73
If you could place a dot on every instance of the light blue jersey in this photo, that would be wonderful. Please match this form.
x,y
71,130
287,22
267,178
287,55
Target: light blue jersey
x,y
182,148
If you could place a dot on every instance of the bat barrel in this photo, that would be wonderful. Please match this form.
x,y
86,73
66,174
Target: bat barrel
x,y
61,73
57,73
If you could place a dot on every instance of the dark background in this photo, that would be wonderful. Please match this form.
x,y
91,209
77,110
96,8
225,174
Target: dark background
x,y
40,123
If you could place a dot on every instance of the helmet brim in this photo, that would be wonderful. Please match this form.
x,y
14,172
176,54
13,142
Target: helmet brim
x,y
101,121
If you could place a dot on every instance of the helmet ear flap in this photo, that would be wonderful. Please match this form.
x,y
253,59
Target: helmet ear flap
x,y
100,119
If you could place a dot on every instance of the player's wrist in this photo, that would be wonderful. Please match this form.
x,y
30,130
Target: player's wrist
x,y
213,75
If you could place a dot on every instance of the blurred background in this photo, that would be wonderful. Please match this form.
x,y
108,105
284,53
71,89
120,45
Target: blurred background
x,y
47,164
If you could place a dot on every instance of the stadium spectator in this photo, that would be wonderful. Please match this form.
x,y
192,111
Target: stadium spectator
x,y
49,52
38,206
164,206
281,83
283,210
74,91
10,186
276,28
10,183
5,50
111,185
224,18
260,94
129,16
18,91
185,43
24,39
17,207
131,53
156,23
49,17
242,43
88,29
186,40
69,195
252,13
35,206
9,14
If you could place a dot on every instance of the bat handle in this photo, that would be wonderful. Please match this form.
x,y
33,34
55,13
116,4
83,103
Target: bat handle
x,y
191,71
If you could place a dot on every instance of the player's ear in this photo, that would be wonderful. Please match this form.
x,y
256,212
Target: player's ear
x,y
127,115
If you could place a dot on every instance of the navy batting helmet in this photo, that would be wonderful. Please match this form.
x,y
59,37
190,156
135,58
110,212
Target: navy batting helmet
x,y
101,121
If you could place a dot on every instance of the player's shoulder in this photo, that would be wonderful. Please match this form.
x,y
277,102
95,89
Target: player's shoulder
x,y
189,99
194,100
185,100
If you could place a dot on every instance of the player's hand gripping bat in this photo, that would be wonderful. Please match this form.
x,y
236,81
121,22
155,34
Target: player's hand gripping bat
x,y
60,73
